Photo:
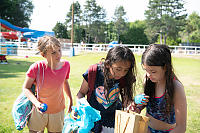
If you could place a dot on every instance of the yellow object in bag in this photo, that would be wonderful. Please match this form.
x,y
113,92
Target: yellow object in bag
x,y
130,122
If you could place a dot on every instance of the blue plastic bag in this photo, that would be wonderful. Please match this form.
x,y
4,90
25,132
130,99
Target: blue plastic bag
x,y
81,119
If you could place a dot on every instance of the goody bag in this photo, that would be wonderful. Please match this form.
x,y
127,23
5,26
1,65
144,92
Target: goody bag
x,y
81,119
21,110
22,107
130,122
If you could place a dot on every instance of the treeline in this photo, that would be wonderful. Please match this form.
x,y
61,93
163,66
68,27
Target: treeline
x,y
17,12
166,22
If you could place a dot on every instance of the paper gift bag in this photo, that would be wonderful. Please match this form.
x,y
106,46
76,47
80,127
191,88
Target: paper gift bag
x,y
130,122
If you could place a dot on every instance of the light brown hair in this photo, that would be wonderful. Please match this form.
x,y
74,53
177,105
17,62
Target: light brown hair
x,y
47,42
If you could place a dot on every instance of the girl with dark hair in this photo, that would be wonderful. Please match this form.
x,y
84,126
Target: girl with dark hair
x,y
167,106
119,64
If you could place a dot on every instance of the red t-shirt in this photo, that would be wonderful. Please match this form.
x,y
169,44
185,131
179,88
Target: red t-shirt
x,y
50,84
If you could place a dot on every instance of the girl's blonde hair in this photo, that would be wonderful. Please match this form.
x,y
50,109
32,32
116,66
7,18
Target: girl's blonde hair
x,y
47,42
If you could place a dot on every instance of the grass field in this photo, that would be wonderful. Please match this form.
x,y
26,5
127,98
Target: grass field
x,y
12,77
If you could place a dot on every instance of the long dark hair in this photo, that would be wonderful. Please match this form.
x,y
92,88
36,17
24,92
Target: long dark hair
x,y
160,55
117,54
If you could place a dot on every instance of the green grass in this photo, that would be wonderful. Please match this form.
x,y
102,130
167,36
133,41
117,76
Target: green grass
x,y
12,77
188,72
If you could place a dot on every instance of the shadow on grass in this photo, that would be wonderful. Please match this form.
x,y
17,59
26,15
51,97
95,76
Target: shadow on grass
x,y
13,68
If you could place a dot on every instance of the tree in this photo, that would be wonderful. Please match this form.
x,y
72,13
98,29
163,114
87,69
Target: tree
x,y
94,18
166,18
111,35
79,32
193,27
77,21
135,34
17,12
120,21
77,14
60,30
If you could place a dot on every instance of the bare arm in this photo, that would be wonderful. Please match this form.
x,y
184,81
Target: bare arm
x,y
83,90
26,88
180,105
68,94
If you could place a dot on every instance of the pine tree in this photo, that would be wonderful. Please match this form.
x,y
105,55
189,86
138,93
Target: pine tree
x,y
166,18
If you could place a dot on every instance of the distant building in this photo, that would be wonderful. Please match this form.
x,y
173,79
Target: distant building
x,y
65,43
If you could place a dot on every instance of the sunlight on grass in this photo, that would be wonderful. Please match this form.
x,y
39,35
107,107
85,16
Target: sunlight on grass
x,y
12,77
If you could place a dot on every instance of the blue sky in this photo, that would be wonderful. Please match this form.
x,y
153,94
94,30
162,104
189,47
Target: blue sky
x,y
48,12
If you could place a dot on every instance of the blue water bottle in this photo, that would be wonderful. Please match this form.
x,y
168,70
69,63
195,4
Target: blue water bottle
x,y
138,99
43,107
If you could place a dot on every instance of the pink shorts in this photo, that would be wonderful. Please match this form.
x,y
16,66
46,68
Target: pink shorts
x,y
53,122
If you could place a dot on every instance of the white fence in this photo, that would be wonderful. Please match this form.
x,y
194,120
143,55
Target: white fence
x,y
23,49
195,50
